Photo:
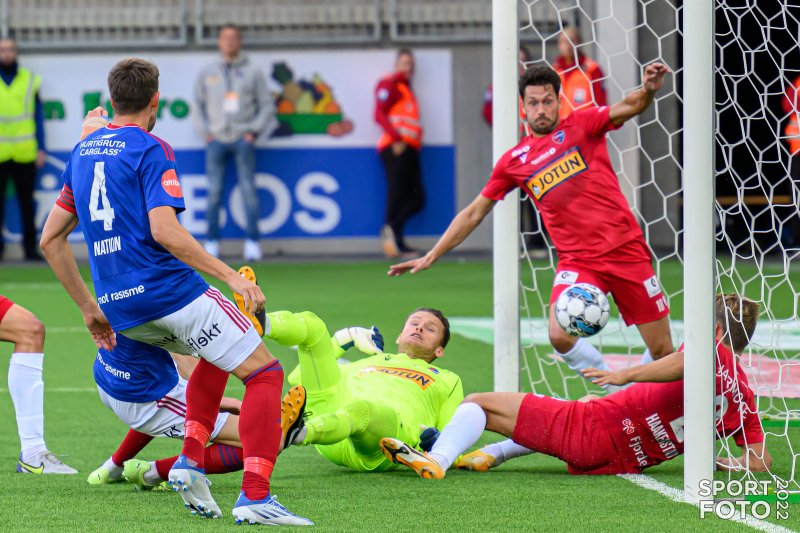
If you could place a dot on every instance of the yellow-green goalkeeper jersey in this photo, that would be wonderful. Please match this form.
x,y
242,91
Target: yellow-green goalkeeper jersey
x,y
421,393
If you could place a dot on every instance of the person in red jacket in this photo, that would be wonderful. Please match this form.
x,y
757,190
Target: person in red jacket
x,y
397,113
581,77
791,106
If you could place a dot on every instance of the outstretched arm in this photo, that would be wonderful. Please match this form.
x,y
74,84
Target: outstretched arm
x,y
169,233
58,252
668,368
637,101
754,458
460,228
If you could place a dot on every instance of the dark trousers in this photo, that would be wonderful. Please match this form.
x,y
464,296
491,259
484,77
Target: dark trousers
x,y
405,195
24,177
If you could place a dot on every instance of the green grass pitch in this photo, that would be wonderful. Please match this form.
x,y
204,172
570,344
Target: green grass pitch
x,y
530,494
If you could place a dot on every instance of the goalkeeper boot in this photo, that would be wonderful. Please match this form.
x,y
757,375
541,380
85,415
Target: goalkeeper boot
x,y
477,461
293,408
258,319
43,463
267,511
192,484
134,473
401,453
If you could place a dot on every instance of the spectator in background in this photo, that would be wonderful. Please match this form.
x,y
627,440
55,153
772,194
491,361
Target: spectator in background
x,y
233,109
791,107
397,113
581,78
524,57
530,227
21,140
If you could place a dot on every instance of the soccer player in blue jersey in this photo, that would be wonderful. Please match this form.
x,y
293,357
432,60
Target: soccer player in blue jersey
x,y
121,184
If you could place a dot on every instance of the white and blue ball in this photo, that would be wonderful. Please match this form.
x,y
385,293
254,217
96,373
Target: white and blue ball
x,y
582,310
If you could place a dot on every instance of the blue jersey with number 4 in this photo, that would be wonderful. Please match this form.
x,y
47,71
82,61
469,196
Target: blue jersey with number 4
x,y
135,371
113,178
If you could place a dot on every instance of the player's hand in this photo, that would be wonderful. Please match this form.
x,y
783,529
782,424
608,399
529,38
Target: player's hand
x,y
653,77
413,266
94,120
249,138
230,405
428,437
366,341
41,158
251,293
98,325
606,377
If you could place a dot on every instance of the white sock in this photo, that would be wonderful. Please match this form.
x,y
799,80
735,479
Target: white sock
x,y
583,355
505,450
151,477
463,430
646,358
114,469
27,391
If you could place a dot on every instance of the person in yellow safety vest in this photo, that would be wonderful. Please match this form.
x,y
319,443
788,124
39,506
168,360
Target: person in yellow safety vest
x,y
22,148
397,113
581,78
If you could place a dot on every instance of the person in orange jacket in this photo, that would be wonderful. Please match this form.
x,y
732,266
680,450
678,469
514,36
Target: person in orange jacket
x,y
397,113
581,77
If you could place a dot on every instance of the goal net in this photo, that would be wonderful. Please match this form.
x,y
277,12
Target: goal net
x,y
756,209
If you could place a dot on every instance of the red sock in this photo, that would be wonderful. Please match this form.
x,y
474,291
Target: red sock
x,y
219,459
260,428
203,394
132,444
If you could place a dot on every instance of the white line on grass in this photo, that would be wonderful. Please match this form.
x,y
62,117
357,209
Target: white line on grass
x,y
64,389
676,495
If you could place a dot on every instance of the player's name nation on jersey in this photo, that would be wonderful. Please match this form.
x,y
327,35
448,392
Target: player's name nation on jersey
x,y
107,246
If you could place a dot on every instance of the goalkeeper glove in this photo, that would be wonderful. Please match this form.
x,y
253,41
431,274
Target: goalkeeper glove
x,y
367,341
428,438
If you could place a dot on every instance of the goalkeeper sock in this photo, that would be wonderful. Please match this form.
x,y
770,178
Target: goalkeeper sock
x,y
463,430
286,328
582,356
505,450
646,358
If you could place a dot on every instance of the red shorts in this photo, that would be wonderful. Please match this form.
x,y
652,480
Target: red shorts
x,y
5,305
575,432
625,274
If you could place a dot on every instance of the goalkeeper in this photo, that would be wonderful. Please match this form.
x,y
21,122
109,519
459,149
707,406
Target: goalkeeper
x,y
357,404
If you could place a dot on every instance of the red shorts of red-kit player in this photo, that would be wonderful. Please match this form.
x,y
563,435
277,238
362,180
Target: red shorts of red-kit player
x,y
574,432
626,273
5,305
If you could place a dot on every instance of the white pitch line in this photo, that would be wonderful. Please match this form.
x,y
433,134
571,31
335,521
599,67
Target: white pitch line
x,y
676,495
64,390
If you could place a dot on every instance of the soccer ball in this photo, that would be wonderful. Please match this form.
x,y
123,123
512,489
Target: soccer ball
x,y
582,310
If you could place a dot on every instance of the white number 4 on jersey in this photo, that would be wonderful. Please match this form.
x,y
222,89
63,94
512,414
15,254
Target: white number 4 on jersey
x,y
105,212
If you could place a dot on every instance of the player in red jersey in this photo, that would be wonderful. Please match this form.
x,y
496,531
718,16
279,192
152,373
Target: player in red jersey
x,y
565,168
626,432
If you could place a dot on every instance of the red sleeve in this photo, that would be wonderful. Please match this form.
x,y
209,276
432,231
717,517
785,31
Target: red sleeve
x,y
386,94
594,120
500,183
66,201
487,106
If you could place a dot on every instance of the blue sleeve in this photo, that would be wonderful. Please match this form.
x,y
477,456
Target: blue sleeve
x,y
38,114
160,180
66,176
